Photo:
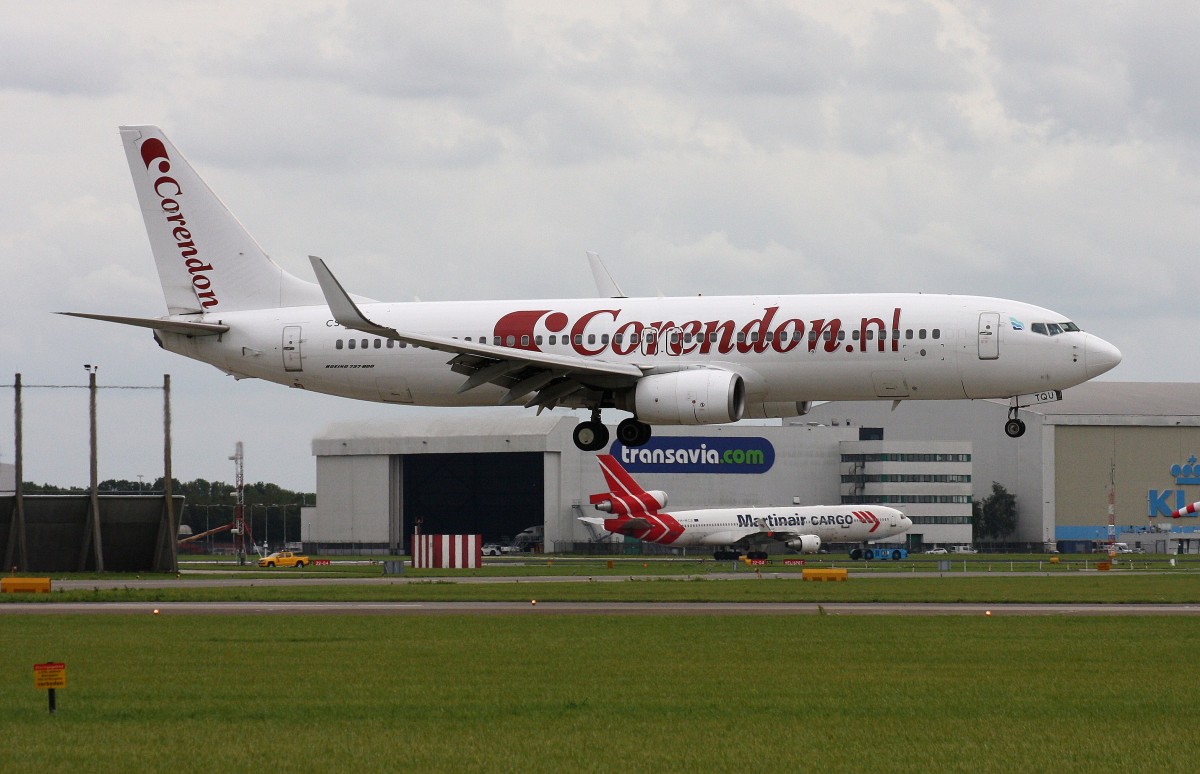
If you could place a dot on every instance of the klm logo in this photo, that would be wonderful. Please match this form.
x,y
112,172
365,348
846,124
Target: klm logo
x,y
1167,501
1186,474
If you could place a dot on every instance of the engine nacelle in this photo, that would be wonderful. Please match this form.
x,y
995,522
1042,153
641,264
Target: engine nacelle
x,y
777,410
805,544
605,502
700,396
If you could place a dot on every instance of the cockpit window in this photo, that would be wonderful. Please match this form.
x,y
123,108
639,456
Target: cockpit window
x,y
1053,329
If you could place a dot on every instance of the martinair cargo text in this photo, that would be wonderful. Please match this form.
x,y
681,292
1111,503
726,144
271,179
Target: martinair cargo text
x,y
638,513
665,361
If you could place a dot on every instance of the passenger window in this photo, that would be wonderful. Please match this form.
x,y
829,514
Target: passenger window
x,y
365,343
391,343
854,335
538,339
768,336
510,340
553,339
618,339
591,338
337,344
908,334
378,343
604,338
741,337
937,333
754,337
841,335
812,335
496,340
525,340
403,344
579,338
827,335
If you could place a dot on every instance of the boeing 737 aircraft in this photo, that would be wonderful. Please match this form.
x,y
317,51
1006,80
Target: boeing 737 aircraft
x,y
666,361
637,513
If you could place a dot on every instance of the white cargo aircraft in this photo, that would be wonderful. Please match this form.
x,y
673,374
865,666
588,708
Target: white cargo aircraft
x,y
665,361
638,513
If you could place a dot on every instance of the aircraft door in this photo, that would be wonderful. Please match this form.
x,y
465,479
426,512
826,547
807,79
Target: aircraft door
x,y
989,336
292,359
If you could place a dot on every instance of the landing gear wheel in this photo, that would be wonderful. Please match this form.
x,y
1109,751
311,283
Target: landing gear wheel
x,y
590,436
1014,428
632,432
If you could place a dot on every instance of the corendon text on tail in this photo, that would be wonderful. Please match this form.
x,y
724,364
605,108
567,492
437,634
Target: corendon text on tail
x,y
662,361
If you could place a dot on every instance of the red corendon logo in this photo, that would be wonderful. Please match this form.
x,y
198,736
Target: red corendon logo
x,y
166,188
603,330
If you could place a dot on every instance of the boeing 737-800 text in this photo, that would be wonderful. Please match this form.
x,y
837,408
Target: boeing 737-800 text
x,y
666,361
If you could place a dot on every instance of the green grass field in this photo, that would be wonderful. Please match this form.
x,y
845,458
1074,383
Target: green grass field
x,y
1179,587
584,693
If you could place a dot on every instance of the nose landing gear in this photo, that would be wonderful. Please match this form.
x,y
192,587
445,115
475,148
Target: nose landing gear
x,y
1014,427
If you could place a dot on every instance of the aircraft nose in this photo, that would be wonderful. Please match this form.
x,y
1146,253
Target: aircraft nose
x,y
1099,356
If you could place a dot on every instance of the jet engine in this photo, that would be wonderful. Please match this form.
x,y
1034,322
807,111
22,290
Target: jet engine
x,y
805,544
701,396
605,502
778,409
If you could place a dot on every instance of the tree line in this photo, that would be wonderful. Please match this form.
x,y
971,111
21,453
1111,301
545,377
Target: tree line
x,y
272,510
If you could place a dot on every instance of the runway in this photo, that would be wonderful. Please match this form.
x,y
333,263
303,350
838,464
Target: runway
x,y
593,608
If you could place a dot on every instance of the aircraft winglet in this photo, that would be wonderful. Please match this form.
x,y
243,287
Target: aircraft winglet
x,y
605,284
344,310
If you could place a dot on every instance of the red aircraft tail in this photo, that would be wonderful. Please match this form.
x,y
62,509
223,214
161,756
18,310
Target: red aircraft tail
x,y
625,497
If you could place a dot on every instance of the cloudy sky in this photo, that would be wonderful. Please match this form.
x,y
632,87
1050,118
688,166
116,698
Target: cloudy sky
x,y
1048,152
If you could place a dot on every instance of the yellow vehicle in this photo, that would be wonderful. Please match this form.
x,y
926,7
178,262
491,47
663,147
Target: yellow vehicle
x,y
284,559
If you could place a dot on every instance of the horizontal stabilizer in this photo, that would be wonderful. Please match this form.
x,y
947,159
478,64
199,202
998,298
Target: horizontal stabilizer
x,y
159,324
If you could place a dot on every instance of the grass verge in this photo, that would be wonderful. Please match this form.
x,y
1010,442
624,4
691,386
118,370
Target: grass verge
x,y
679,693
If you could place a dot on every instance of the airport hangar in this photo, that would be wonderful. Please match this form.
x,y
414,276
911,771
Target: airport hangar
x,y
1141,440
497,473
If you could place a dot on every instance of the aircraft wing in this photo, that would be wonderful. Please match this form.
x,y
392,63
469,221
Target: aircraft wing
x,y
550,377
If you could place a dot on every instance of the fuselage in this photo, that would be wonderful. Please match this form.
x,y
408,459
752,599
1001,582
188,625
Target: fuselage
x,y
727,526
786,348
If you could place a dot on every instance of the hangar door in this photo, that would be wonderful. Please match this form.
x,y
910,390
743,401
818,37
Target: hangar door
x,y
496,495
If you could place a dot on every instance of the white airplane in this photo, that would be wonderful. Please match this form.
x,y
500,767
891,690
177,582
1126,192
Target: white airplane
x,y
638,513
665,361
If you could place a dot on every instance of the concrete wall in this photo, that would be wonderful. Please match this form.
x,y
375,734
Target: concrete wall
x,y
1143,457
354,500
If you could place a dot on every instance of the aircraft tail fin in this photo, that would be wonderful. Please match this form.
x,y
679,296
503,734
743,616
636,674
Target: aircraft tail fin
x,y
624,496
207,262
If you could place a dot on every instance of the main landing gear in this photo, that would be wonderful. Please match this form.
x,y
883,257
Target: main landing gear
x,y
724,554
592,435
